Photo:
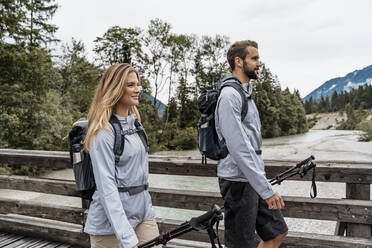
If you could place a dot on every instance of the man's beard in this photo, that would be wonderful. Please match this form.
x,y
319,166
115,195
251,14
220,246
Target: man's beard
x,y
251,74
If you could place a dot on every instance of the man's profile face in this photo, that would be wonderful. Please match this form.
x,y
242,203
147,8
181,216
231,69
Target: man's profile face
x,y
251,63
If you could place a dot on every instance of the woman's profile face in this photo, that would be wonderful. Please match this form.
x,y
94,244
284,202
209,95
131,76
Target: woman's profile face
x,y
131,91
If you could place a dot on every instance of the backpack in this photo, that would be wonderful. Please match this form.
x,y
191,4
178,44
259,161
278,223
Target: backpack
x,y
209,144
80,160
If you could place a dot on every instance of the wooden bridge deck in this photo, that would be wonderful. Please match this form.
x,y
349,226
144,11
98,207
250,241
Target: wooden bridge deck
x,y
64,224
8,240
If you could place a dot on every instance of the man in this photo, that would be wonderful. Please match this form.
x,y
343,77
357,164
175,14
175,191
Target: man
x,y
250,202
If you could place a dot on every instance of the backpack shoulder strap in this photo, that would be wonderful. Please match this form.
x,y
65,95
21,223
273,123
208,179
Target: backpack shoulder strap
x,y
119,141
239,88
142,134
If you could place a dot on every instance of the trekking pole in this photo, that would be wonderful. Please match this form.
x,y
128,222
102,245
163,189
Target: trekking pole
x,y
205,221
284,175
302,168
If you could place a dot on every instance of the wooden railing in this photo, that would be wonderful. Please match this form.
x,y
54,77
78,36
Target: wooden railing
x,y
61,223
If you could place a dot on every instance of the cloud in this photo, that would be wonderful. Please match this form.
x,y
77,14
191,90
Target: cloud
x,y
304,42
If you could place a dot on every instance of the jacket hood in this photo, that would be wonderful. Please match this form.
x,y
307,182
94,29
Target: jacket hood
x,y
227,77
230,77
129,120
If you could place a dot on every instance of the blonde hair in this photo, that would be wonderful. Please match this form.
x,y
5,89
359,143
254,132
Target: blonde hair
x,y
109,91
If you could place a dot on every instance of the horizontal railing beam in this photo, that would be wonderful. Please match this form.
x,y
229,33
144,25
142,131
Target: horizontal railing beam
x,y
346,210
41,185
42,210
353,211
48,230
53,159
293,239
327,171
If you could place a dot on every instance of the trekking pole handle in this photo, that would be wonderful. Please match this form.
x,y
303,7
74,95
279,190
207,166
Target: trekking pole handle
x,y
308,167
306,161
207,216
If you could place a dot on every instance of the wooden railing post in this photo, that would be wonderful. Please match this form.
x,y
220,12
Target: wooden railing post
x,y
358,191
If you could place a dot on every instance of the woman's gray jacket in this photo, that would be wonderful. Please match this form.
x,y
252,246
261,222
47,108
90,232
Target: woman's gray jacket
x,y
111,211
243,139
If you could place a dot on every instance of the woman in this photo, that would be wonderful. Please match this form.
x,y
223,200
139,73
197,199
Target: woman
x,y
118,217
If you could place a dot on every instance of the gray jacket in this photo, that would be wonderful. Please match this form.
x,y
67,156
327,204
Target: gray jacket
x,y
243,138
111,211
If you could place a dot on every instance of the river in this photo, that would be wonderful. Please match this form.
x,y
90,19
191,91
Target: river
x,y
336,145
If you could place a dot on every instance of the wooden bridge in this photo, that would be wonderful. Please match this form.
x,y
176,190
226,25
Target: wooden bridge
x,y
62,225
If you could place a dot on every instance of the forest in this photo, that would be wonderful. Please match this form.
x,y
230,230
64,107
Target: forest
x,y
360,98
357,104
46,85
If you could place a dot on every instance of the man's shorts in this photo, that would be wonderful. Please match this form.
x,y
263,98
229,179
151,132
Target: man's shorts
x,y
245,212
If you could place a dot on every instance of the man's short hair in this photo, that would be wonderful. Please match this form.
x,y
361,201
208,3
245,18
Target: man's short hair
x,y
238,49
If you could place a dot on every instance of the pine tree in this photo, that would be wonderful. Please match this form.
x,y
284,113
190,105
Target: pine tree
x,y
210,61
79,78
119,45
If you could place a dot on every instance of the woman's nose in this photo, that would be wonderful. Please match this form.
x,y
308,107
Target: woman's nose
x,y
139,88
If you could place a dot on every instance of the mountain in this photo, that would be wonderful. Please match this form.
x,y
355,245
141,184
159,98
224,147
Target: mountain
x,y
350,81
161,106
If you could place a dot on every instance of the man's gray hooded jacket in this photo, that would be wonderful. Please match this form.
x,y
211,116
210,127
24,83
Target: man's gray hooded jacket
x,y
242,138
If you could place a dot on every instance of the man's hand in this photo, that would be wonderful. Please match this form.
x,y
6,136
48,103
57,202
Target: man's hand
x,y
275,202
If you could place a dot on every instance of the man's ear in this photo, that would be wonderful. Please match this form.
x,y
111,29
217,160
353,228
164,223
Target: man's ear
x,y
238,62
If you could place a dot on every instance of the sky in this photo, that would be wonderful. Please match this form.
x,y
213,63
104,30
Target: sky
x,y
303,42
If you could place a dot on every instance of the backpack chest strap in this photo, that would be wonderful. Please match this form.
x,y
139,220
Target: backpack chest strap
x,y
119,133
129,131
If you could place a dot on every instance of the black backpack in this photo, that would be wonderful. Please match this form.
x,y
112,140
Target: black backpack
x,y
80,160
209,144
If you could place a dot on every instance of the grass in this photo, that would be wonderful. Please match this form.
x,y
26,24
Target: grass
x,y
312,121
366,127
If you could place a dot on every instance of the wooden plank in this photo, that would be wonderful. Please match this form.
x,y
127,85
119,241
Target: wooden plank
x,y
352,211
3,236
53,245
30,227
68,246
36,243
294,239
10,239
360,192
59,160
39,243
21,243
41,185
308,240
328,209
296,207
327,171
42,210
181,243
